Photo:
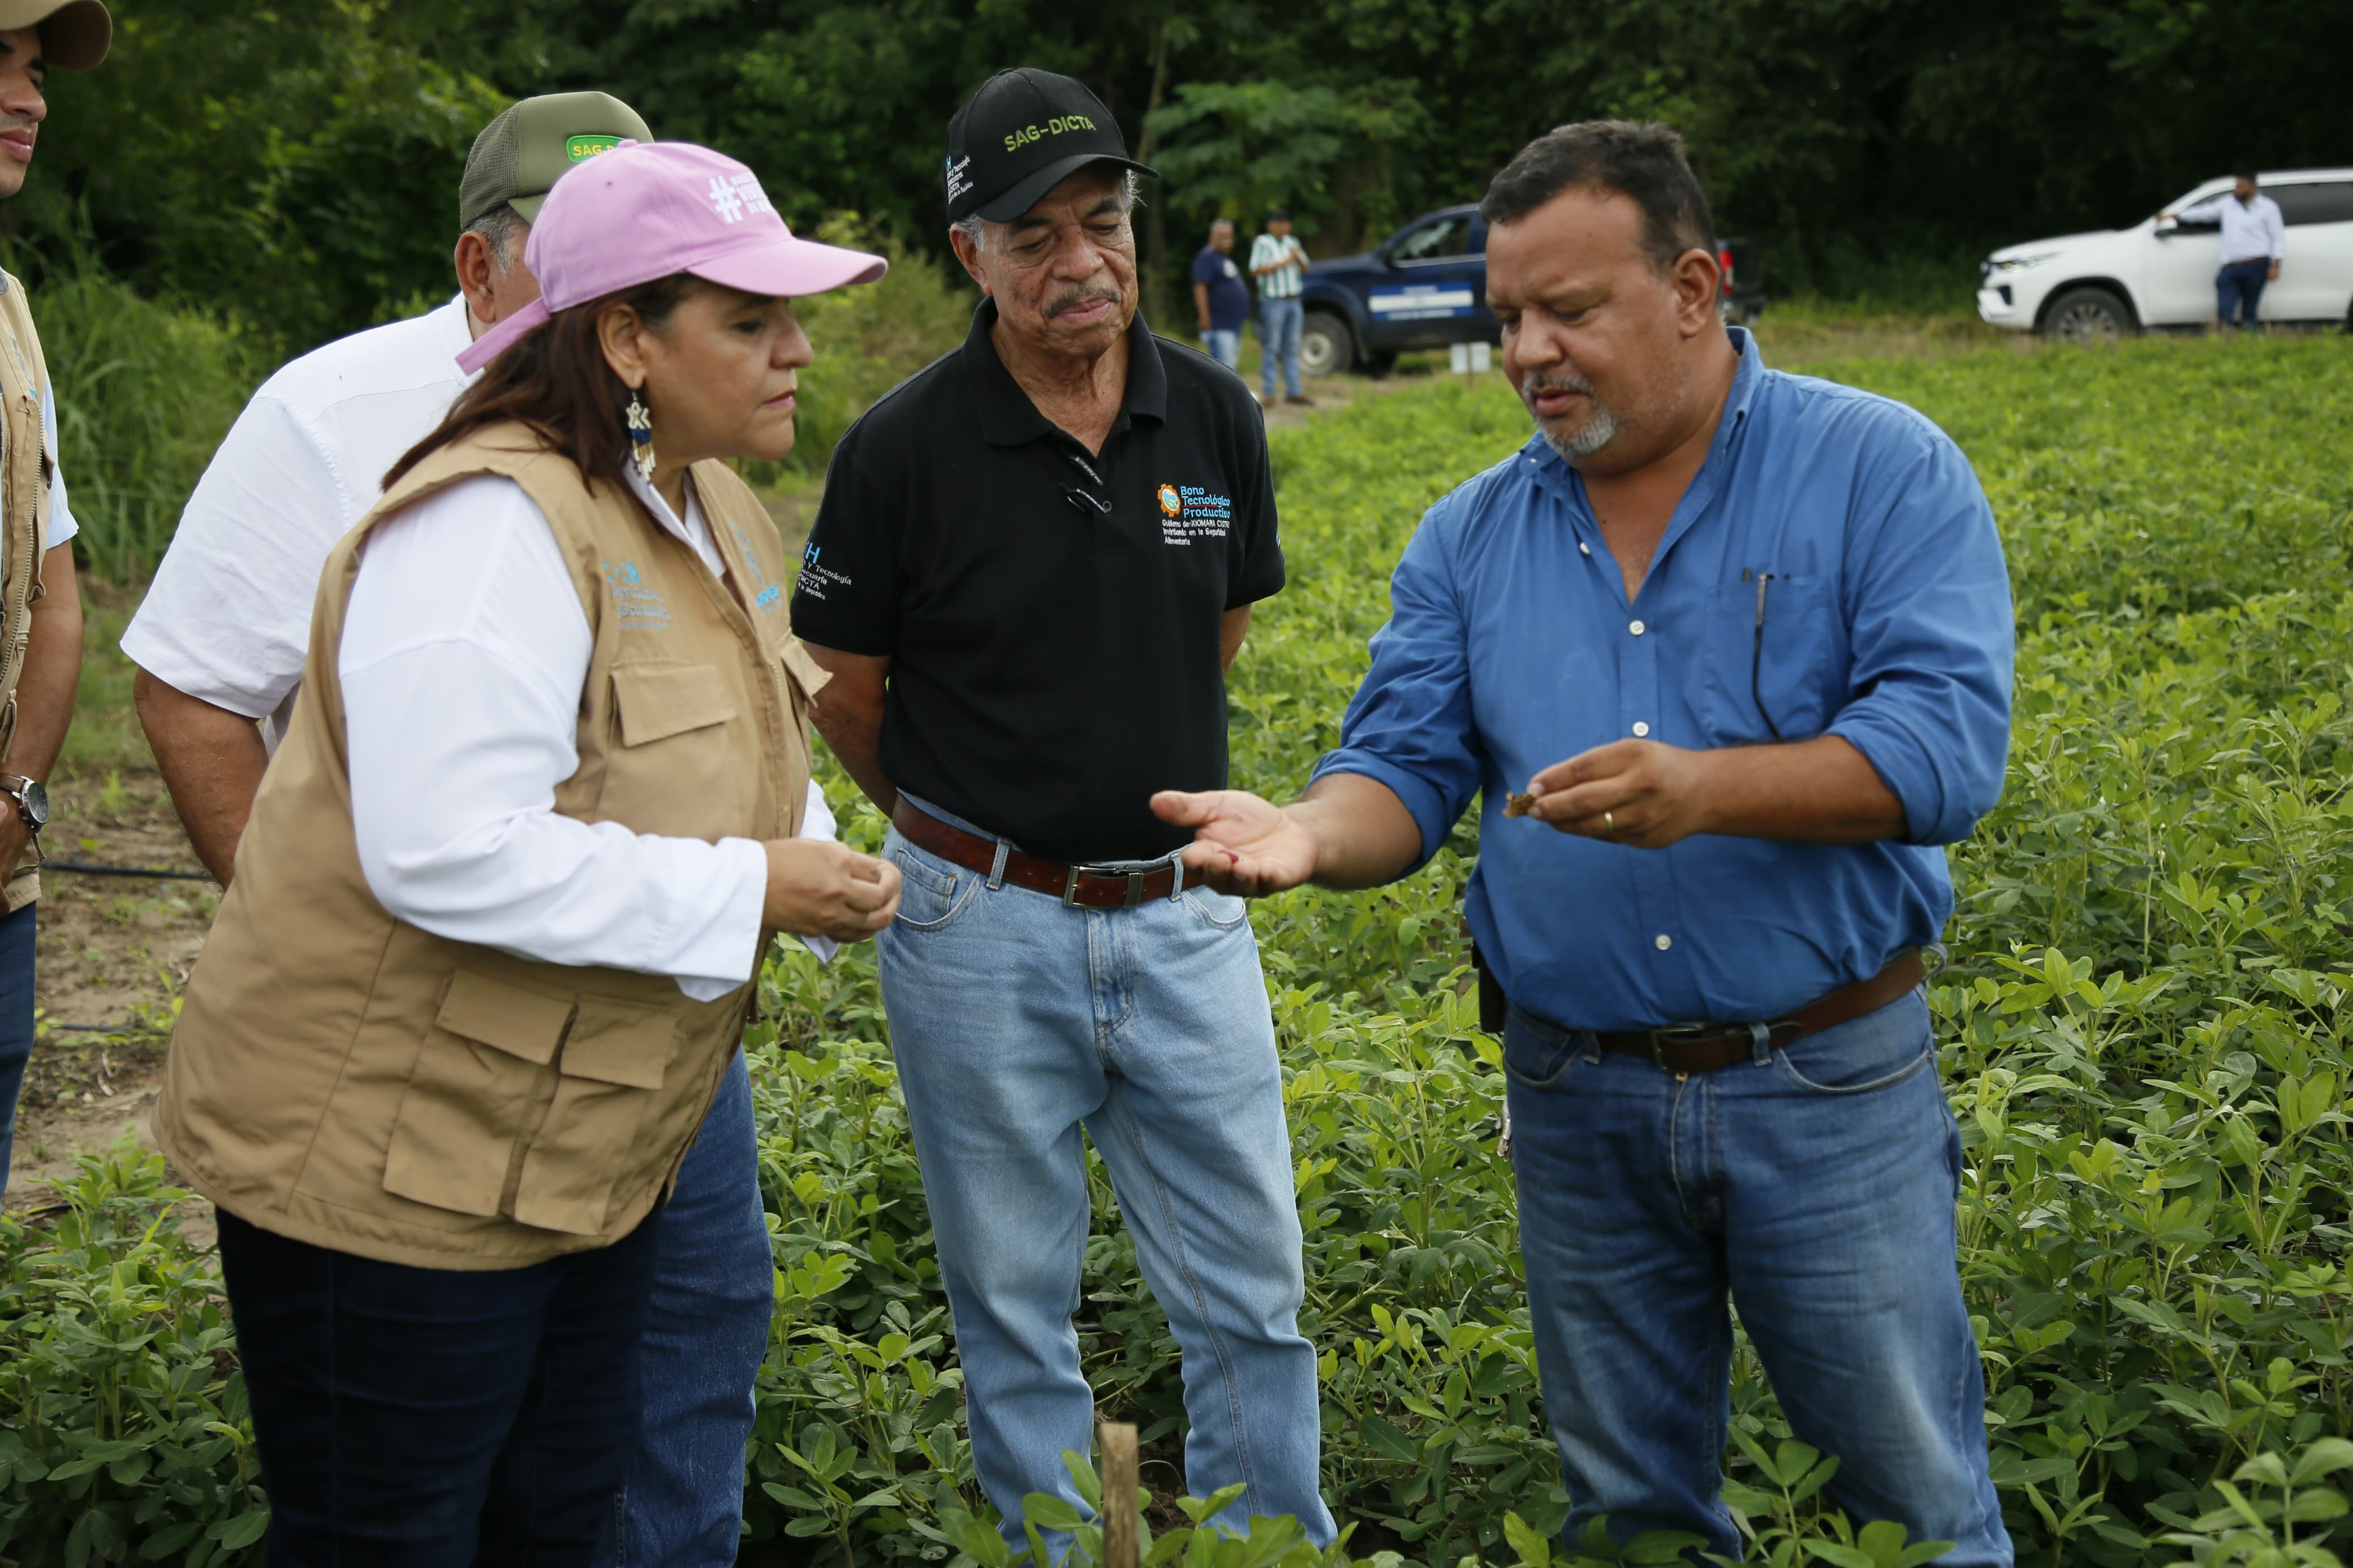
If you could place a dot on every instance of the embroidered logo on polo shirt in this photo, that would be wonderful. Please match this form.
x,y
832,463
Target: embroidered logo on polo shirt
x,y
815,579
1188,513
642,608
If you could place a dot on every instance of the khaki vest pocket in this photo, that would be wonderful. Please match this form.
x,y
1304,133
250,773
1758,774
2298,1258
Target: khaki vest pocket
x,y
678,771
620,1052
658,701
482,1067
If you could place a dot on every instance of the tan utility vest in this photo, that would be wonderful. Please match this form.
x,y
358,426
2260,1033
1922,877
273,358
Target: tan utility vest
x,y
25,468
343,1078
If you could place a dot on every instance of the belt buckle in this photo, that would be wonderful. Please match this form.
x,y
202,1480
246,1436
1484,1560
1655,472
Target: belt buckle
x,y
1134,885
1665,1034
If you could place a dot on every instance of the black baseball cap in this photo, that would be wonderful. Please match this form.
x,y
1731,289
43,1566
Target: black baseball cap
x,y
1024,132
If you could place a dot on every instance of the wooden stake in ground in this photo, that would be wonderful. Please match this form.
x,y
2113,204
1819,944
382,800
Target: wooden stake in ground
x,y
1116,1440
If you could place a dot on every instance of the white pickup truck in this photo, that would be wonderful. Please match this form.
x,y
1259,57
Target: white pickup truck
x,y
2161,273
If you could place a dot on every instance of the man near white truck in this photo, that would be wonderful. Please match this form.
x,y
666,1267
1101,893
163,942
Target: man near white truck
x,y
2255,243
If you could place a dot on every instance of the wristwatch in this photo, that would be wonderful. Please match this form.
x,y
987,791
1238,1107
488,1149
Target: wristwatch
x,y
32,798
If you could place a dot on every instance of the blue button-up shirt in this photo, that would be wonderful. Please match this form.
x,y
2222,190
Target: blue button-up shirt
x,y
1511,645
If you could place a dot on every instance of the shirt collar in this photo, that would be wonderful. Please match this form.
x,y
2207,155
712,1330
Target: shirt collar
x,y
1008,417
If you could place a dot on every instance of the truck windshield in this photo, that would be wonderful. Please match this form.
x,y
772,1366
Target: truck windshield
x,y
1440,236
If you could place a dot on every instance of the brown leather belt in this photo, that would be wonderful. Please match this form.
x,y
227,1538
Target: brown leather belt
x,y
1706,1047
1081,885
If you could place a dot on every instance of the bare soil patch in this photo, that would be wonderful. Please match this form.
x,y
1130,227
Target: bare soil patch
x,y
114,953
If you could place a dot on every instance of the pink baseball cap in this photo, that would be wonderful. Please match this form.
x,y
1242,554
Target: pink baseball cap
x,y
647,209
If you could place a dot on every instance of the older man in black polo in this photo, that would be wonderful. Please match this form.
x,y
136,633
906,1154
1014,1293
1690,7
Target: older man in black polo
x,y
1034,562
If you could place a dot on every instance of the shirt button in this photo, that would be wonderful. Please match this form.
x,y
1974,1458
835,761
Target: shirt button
x,y
1640,728
1584,549
1635,627
1663,942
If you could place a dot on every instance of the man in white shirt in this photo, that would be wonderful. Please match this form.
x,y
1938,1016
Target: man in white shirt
x,y
1278,263
2255,243
219,643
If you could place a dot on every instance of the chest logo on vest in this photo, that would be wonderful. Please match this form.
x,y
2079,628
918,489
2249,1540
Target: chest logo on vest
x,y
639,605
1188,513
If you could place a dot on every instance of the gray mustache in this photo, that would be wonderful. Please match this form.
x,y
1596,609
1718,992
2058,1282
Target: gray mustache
x,y
1538,381
1061,302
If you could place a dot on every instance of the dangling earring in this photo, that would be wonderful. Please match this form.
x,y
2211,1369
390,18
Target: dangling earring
x,y
641,437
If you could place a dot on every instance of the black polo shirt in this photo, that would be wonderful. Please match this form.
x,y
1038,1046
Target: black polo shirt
x,y
1050,615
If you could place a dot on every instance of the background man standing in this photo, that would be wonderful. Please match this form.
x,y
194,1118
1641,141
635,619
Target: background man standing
x,y
1033,563
1743,639
1220,296
215,689
1278,263
41,601
2255,243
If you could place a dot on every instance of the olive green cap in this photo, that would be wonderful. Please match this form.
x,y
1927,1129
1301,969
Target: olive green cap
x,y
74,33
530,146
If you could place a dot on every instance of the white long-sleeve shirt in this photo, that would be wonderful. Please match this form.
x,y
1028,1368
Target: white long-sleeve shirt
x,y
463,654
2252,231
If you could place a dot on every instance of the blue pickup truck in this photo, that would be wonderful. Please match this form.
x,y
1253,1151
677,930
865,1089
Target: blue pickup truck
x,y
1425,286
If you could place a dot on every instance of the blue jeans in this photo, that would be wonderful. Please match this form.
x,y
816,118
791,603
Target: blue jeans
x,y
706,1332
1818,1189
1278,329
16,932
2241,283
1015,1021
426,1417
1225,345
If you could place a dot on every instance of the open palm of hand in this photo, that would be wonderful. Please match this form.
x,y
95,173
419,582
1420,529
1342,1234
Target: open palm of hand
x,y
1242,843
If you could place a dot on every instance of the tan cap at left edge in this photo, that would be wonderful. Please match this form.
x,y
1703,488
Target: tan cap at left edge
x,y
74,33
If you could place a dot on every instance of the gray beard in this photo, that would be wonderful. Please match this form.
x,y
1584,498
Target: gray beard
x,y
1587,438
1591,436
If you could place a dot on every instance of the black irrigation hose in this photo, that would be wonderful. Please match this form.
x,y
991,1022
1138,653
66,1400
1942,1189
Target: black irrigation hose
x,y
106,1029
92,868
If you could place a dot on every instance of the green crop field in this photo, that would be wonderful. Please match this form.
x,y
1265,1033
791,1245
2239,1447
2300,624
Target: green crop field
x,y
2145,1021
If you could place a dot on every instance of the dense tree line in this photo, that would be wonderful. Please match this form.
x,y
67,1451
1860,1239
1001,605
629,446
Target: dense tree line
x,y
295,164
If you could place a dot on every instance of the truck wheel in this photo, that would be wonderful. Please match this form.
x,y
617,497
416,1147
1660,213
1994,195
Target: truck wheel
x,y
1326,345
2087,316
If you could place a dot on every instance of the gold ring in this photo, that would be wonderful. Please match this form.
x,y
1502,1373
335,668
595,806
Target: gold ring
x,y
1609,822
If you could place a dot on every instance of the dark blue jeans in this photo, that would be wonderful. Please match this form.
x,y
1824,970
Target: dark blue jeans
x,y
715,1287
2240,284
430,1418
1815,1188
16,932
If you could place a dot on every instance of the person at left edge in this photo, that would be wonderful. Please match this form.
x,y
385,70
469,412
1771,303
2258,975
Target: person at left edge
x,y
41,601
304,461
1033,563
1220,296
502,901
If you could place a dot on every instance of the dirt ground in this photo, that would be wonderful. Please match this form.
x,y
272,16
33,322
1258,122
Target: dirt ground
x,y
114,953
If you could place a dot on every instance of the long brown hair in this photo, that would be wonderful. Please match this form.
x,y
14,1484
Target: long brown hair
x,y
555,380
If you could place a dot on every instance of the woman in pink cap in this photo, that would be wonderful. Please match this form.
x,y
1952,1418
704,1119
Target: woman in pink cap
x,y
497,921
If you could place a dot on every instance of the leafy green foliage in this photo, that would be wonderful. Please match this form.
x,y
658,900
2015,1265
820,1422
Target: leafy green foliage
x,y
123,1431
145,391
295,164
2148,1029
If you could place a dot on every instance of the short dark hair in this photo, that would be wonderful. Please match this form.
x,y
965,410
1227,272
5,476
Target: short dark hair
x,y
2249,176
1645,163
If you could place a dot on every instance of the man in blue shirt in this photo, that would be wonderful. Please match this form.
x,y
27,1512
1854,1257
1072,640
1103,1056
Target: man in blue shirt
x,y
1220,296
1742,641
